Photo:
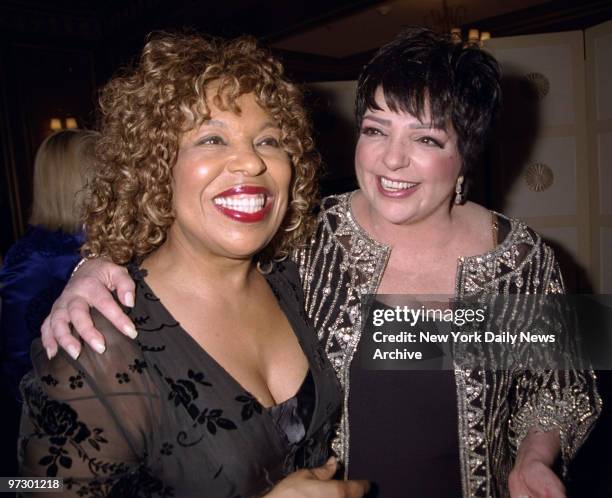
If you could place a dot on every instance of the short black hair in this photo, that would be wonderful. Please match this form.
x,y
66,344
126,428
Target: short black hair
x,y
460,85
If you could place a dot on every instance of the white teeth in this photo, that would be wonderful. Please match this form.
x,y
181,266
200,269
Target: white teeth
x,y
393,185
244,203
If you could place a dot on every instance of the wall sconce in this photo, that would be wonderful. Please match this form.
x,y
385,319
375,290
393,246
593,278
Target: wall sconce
x,y
57,124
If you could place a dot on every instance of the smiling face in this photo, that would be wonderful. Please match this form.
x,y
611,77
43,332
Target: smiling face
x,y
230,182
406,169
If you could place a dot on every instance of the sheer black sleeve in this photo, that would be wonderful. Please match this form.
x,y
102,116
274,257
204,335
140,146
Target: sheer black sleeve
x,y
89,420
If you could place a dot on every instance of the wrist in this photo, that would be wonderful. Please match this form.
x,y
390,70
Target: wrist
x,y
539,446
78,265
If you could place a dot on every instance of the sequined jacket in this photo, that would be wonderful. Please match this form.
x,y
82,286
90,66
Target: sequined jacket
x,y
342,263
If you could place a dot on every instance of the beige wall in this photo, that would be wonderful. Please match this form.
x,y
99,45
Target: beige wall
x,y
598,51
573,137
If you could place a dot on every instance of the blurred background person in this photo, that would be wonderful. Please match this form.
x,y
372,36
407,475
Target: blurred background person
x,y
38,265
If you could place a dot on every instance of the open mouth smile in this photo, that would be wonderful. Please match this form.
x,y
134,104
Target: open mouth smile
x,y
244,203
395,188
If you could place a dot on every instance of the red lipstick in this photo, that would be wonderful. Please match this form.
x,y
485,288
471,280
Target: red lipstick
x,y
244,189
239,191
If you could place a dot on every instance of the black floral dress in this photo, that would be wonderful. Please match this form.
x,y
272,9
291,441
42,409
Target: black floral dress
x,y
158,417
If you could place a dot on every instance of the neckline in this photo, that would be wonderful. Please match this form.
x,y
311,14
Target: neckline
x,y
492,253
277,406
140,275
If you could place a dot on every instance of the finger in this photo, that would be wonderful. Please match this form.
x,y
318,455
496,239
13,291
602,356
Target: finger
x,y
550,488
520,492
326,471
108,307
79,313
92,290
516,487
119,279
58,322
556,494
540,483
356,488
47,339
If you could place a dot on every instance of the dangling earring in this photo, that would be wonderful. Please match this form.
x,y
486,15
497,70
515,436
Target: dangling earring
x,y
458,190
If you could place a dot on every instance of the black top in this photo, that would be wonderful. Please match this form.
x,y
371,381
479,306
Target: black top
x,y
160,417
404,435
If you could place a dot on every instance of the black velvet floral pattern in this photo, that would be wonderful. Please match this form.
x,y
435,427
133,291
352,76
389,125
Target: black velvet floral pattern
x,y
250,406
58,424
157,417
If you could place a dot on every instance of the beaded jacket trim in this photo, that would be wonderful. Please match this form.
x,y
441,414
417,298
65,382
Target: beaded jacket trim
x,y
342,263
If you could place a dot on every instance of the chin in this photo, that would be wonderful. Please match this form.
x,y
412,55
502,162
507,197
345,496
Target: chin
x,y
251,246
399,219
243,250
393,212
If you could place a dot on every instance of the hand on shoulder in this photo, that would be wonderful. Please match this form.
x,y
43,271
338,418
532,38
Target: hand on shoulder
x,y
89,287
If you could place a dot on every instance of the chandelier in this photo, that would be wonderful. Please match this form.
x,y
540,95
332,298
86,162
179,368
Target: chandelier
x,y
448,19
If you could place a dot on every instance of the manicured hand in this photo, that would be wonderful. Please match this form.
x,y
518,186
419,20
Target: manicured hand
x,y
91,286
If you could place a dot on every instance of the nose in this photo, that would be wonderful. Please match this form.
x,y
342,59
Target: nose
x,y
247,162
396,154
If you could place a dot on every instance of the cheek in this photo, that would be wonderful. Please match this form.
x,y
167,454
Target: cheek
x,y
363,161
192,178
283,173
442,169
201,173
189,185
362,153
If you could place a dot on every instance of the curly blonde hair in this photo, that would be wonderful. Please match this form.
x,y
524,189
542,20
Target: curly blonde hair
x,y
146,111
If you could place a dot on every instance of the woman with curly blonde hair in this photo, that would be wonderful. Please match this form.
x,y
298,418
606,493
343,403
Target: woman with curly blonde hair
x,y
206,177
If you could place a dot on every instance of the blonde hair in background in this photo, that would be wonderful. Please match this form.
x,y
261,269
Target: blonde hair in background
x,y
61,169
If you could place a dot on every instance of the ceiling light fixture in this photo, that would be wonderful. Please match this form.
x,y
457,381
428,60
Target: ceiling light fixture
x,y
447,20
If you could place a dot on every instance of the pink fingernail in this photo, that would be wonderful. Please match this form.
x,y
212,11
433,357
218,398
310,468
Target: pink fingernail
x,y
73,351
129,299
98,346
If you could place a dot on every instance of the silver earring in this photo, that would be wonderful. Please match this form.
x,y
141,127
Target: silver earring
x,y
459,190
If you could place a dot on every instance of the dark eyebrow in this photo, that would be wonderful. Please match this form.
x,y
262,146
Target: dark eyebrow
x,y
384,122
387,122
422,126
